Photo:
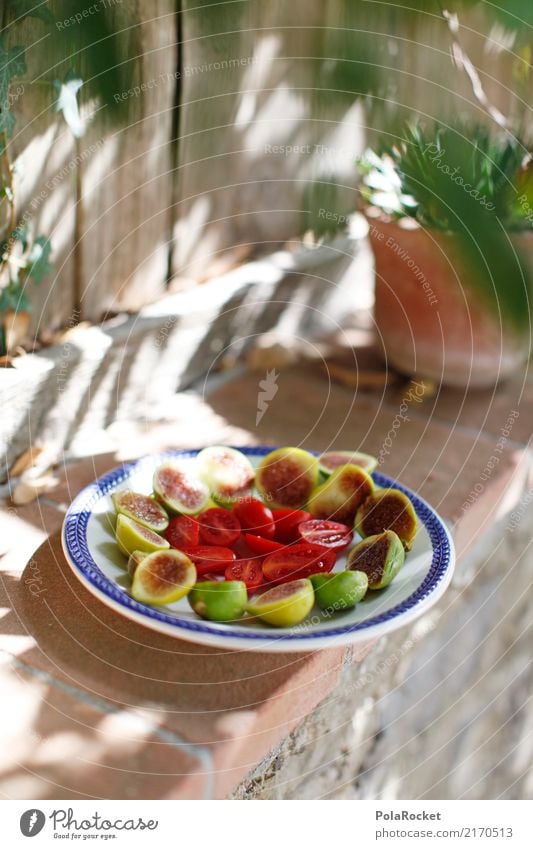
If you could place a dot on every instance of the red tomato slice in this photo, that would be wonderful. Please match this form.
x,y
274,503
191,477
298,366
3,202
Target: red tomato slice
x,y
325,533
219,527
248,571
260,545
298,561
256,517
183,531
209,558
287,522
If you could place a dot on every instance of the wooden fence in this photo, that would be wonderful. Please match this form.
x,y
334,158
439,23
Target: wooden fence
x,y
229,131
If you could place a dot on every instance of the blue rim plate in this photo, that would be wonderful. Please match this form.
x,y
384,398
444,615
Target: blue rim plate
x,y
89,547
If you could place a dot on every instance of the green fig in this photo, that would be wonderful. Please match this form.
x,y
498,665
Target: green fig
x,y
339,590
219,601
131,536
285,605
227,473
331,460
339,497
143,509
286,477
179,489
380,556
388,509
163,577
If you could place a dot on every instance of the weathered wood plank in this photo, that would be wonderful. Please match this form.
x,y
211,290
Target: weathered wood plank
x,y
127,185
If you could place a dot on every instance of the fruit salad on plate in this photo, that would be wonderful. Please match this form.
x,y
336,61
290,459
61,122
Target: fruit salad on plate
x,y
242,542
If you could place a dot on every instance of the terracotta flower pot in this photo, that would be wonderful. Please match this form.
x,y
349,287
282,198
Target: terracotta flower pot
x,y
431,323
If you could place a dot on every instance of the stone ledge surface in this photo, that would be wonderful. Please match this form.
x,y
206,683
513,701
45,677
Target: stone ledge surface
x,y
223,712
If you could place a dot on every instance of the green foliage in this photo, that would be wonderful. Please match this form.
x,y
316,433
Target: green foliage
x,y
21,9
12,64
462,180
433,174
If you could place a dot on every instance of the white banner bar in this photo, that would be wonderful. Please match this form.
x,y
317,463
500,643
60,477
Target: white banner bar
x,y
305,825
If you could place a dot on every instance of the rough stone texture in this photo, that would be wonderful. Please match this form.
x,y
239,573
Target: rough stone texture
x,y
438,710
441,710
131,367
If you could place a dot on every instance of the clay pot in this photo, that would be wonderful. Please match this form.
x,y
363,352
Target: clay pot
x,y
431,324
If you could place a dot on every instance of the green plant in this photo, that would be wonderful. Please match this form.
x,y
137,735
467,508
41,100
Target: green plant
x,y
92,53
447,173
463,180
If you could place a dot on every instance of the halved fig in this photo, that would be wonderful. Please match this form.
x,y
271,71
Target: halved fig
x,y
331,460
131,536
286,477
341,495
380,557
163,577
135,559
285,605
339,591
142,508
219,601
388,509
227,472
180,490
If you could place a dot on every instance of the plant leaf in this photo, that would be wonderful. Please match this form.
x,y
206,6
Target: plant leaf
x,y
38,260
12,64
31,9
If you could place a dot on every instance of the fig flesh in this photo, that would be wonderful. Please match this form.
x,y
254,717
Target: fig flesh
x,y
131,536
380,557
285,605
340,496
331,460
388,509
286,477
143,509
228,474
163,577
179,489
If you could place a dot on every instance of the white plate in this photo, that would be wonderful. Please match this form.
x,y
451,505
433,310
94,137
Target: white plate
x,y
90,548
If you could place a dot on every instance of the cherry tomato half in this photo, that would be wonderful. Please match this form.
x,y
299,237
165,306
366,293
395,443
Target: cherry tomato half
x,y
298,561
287,522
260,545
209,558
325,533
248,571
183,531
256,517
219,527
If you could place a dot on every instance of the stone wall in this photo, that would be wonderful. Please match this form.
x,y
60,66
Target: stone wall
x,y
438,710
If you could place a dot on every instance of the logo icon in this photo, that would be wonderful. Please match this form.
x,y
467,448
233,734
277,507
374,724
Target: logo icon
x,y
268,389
32,822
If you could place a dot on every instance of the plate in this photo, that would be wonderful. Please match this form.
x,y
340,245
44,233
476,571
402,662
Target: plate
x,y
89,546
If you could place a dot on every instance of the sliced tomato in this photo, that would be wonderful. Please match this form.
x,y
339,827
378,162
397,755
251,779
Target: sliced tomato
x,y
256,517
182,531
248,571
219,527
209,558
298,561
325,533
260,545
287,522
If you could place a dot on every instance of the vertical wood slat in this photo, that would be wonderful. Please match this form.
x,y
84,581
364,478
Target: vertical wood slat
x,y
243,95
43,150
240,93
127,186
